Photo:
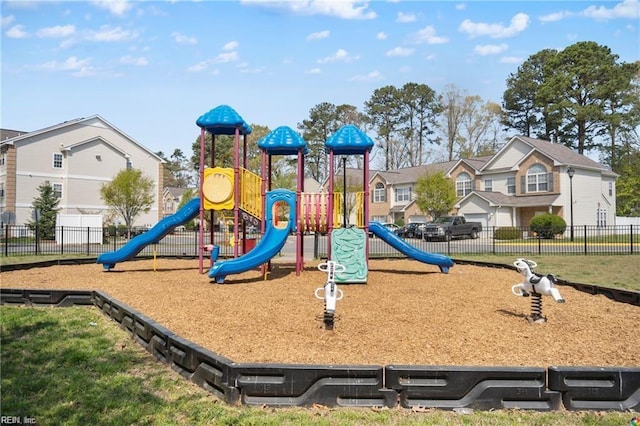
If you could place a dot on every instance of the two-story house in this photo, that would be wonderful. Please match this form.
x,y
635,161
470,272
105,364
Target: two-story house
x,y
76,157
526,177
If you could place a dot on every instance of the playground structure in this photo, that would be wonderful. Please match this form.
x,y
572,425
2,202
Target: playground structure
x,y
250,201
535,285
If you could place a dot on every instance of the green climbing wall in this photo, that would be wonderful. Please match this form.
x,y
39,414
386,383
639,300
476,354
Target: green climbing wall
x,y
348,247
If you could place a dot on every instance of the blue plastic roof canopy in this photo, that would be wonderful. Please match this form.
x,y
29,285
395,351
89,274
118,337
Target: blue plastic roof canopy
x,y
348,140
283,141
223,120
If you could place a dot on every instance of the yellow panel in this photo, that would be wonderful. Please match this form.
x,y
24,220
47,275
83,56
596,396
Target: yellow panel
x,y
217,188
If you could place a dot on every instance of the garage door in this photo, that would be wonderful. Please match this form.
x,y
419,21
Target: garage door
x,y
477,217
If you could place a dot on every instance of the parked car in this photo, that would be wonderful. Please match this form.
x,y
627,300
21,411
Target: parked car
x,y
411,230
447,227
390,226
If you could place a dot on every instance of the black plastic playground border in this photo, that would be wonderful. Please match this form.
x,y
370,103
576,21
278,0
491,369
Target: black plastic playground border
x,y
407,386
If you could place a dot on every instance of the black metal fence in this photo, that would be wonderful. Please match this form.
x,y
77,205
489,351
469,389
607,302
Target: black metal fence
x,y
86,241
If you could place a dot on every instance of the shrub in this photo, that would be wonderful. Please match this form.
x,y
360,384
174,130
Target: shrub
x,y
547,225
508,233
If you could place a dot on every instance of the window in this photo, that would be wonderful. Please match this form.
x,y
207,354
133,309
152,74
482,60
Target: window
x,y
488,185
1,191
610,189
463,184
2,159
601,218
129,165
511,185
379,193
57,161
537,178
403,194
57,190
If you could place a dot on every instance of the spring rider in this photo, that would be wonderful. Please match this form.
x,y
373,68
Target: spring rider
x,y
535,285
331,291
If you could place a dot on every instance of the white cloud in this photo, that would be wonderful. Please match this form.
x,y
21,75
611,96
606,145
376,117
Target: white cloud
x,y
7,20
381,35
109,34
626,9
344,9
201,66
400,51
372,76
313,71
341,55
57,31
405,18
428,35
17,31
140,61
115,7
510,60
518,24
490,49
72,63
318,35
231,45
183,39
554,17
461,6
226,57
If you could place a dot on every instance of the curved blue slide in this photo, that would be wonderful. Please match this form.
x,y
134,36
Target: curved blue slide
x,y
440,260
152,236
270,245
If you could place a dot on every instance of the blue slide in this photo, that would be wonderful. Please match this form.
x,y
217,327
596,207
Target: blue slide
x,y
270,245
152,236
442,261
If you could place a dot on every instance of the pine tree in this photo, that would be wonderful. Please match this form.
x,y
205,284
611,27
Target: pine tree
x,y
45,208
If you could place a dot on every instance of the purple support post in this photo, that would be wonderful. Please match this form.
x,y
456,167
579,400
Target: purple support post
x,y
330,204
236,190
299,236
201,212
367,196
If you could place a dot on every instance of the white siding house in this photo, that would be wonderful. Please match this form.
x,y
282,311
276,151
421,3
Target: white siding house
x,y
76,157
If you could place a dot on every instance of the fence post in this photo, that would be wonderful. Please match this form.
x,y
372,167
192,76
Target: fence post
x,y
539,244
316,241
6,240
37,239
493,240
62,240
585,238
631,238
115,237
88,241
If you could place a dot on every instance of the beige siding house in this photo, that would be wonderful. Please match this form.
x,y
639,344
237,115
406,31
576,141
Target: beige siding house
x,y
525,178
76,157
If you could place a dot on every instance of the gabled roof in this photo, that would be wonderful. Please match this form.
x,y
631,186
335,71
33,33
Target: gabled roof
x,y
97,138
175,192
411,174
476,163
77,121
499,199
10,134
560,154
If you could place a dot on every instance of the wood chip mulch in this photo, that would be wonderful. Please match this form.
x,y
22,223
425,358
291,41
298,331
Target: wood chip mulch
x,y
407,313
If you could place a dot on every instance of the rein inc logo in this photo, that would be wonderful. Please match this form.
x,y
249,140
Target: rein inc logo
x,y
17,420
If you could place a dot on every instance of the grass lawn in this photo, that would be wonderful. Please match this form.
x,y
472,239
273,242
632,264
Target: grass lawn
x,y
621,271
75,366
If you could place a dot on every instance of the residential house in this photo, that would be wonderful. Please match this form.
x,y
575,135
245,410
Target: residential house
x,y
171,198
76,157
526,177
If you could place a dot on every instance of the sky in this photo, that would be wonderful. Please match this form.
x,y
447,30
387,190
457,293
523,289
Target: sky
x,y
151,68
